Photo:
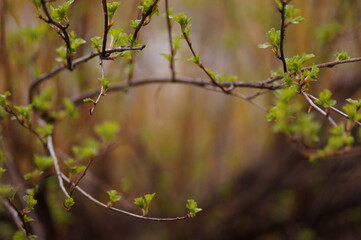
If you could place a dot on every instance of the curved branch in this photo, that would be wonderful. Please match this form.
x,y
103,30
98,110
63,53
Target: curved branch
x,y
91,198
76,62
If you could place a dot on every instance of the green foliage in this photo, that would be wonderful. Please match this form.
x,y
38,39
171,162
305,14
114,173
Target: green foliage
x,y
70,109
135,23
194,59
30,201
275,37
7,190
60,13
43,102
90,148
75,42
111,8
113,197
88,100
145,5
37,4
24,112
295,63
107,130
192,208
343,55
105,84
328,32
119,38
46,130
97,42
352,109
291,15
69,202
144,202
19,235
325,99
42,162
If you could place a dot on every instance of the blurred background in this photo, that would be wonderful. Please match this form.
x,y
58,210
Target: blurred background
x,y
185,142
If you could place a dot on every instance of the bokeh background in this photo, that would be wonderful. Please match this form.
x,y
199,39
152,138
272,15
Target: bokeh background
x,y
185,142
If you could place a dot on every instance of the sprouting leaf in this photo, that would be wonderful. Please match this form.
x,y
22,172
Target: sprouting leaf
x,y
107,130
192,208
113,197
144,202
105,84
134,23
325,99
70,109
69,202
343,55
97,42
265,45
60,13
88,100
30,201
194,59
46,130
182,19
112,7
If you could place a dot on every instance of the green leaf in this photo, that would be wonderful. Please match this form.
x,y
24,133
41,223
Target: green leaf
x,y
62,52
4,97
24,111
97,42
46,130
37,3
107,130
19,235
105,84
43,102
69,202
352,112
112,7
167,56
265,45
6,190
119,38
113,196
325,99
2,170
27,218
356,103
182,19
42,162
194,59
88,100
192,208
30,201
75,42
90,148
343,55
144,202
60,13
70,108
134,23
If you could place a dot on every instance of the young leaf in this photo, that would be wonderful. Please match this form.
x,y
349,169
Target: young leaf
x,y
192,208
112,7
68,203
97,42
343,55
325,99
107,130
113,197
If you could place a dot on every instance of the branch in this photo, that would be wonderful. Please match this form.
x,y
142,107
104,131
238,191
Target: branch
x,y
178,80
335,110
319,109
64,34
76,62
106,28
17,216
172,52
56,166
283,29
91,198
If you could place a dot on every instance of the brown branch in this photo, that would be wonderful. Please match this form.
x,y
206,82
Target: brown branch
x,y
76,62
91,198
64,33
178,80
17,216
172,50
106,28
283,30
76,183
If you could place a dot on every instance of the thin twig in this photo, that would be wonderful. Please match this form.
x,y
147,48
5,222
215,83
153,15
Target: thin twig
x,y
64,34
101,93
178,80
76,183
319,109
172,52
91,198
56,166
76,62
335,110
17,216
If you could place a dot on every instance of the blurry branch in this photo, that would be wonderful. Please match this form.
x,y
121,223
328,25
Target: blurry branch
x,y
102,90
77,61
91,198
179,80
17,216
169,27
76,183
319,109
61,30
56,166
335,110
